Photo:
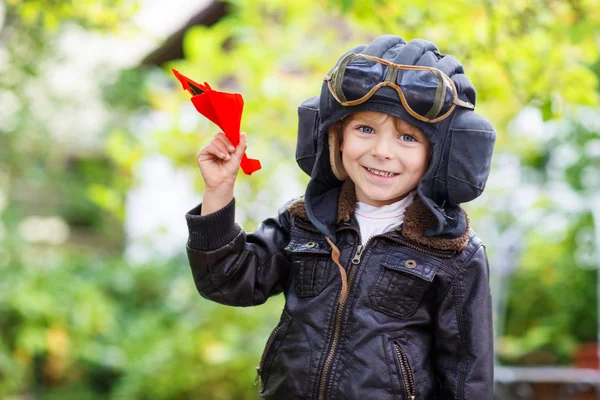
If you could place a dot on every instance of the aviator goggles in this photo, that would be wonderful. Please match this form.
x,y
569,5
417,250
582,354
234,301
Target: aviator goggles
x,y
426,93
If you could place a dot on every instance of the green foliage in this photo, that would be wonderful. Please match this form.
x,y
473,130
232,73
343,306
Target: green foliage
x,y
127,92
38,165
50,17
553,297
552,304
120,330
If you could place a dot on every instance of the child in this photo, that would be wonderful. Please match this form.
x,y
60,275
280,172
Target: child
x,y
386,286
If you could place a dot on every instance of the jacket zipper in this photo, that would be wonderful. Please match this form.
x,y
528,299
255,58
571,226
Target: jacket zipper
x,y
418,248
307,227
356,259
265,352
357,255
338,321
406,373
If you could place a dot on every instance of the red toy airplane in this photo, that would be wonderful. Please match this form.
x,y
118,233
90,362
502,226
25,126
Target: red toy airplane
x,y
224,109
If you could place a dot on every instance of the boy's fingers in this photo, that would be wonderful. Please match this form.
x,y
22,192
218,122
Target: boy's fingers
x,y
221,149
226,142
212,149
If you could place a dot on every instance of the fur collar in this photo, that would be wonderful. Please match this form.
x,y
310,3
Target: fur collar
x,y
416,220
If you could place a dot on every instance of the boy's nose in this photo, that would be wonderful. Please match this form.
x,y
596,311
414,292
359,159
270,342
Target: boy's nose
x,y
382,148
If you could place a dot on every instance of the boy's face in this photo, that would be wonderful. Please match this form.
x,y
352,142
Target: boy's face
x,y
384,156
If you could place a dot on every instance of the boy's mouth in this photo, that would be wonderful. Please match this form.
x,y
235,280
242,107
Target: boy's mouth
x,y
377,172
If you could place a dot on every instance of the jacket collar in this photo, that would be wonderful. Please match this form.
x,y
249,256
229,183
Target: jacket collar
x,y
417,218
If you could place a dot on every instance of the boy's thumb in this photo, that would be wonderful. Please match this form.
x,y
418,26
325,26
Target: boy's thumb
x,y
241,147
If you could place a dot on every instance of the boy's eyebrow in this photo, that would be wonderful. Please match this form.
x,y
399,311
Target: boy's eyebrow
x,y
364,119
404,126
416,132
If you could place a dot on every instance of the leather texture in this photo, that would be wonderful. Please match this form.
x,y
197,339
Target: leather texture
x,y
416,320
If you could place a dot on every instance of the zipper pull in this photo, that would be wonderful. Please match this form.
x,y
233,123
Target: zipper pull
x,y
358,254
257,379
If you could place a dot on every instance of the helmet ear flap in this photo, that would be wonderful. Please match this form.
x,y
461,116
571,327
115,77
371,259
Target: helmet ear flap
x,y
335,155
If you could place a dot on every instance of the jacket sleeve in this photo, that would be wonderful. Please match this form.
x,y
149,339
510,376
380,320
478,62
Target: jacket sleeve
x,y
464,353
235,268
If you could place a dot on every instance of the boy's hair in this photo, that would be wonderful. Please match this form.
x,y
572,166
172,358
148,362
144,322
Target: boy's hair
x,y
335,137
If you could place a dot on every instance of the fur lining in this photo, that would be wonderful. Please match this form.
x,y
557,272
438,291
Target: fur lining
x,y
298,208
346,202
417,219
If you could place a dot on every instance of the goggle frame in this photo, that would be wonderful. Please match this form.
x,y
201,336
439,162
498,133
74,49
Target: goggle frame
x,y
391,83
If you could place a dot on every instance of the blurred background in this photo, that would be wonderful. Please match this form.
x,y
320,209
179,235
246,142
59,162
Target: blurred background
x,y
97,170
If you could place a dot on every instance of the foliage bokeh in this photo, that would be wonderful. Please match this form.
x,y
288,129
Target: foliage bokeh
x,y
80,320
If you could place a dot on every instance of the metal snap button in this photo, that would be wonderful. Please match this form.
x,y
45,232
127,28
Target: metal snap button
x,y
410,263
310,245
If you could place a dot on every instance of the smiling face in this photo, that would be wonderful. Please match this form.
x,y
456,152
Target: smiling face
x,y
384,156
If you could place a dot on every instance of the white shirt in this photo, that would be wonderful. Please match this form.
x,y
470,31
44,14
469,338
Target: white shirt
x,y
374,220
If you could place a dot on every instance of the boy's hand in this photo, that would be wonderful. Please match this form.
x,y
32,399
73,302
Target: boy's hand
x,y
219,163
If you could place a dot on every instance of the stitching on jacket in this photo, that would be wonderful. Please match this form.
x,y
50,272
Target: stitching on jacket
x,y
455,288
310,346
464,339
261,266
236,266
212,280
245,253
209,271
458,270
447,365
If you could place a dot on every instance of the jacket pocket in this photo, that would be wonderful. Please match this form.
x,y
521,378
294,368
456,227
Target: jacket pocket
x,y
401,283
310,265
270,352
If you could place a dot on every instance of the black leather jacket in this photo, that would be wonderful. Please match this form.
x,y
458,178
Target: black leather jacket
x,y
415,324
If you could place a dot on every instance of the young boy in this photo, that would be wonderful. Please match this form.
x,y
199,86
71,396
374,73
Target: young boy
x,y
386,286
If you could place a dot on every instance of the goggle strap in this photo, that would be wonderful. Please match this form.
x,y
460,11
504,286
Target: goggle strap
x,y
464,104
339,72
391,75
440,96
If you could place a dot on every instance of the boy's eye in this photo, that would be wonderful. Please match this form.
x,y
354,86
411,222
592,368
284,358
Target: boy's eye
x,y
408,138
365,129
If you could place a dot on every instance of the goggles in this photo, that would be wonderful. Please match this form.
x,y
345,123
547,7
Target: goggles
x,y
426,93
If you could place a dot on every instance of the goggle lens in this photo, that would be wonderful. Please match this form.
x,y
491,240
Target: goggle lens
x,y
426,91
360,76
420,88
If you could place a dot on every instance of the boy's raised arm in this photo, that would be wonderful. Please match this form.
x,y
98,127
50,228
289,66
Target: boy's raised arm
x,y
228,265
